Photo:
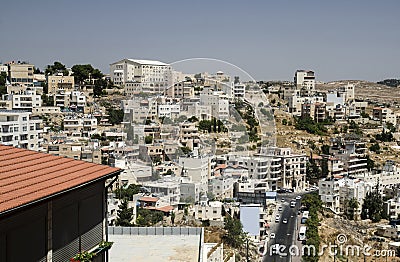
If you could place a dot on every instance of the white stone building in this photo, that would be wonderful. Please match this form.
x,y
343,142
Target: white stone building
x,y
136,76
169,110
304,81
28,99
84,125
211,211
218,101
198,168
20,129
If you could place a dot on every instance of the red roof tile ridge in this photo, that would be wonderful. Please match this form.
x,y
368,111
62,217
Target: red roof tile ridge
x,y
29,181
33,174
20,168
56,182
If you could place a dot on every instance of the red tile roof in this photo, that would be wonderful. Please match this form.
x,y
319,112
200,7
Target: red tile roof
x,y
27,176
163,209
149,199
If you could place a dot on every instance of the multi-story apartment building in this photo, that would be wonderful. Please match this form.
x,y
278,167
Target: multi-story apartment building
x,y
329,193
20,129
190,191
218,101
183,89
384,115
280,168
167,188
296,102
198,169
84,125
3,68
169,110
317,111
138,111
74,101
202,112
388,177
23,97
211,211
238,90
189,135
141,75
274,168
221,187
336,192
60,83
304,81
76,151
20,73
352,154
392,208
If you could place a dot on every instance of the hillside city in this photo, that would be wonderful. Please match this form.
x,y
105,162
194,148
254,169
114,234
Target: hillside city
x,y
148,163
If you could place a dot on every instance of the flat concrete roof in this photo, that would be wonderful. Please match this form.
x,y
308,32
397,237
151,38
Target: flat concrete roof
x,y
154,248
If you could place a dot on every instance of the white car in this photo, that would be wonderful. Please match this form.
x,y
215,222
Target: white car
x,y
298,197
284,221
280,208
272,236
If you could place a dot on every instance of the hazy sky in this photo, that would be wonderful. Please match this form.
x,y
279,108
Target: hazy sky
x,y
269,39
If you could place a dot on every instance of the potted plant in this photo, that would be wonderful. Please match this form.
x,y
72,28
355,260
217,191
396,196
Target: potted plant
x,y
83,256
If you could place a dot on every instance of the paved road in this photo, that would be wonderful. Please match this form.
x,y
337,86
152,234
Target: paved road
x,y
285,233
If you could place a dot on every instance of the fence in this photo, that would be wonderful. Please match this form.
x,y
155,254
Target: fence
x,y
154,231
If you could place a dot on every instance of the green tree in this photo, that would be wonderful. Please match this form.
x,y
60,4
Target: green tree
x,y
375,148
172,217
124,215
116,116
312,170
372,207
312,201
56,67
193,119
205,125
146,217
384,136
3,80
128,192
352,207
181,119
99,87
325,149
169,173
370,163
185,150
83,72
148,139
234,235
309,125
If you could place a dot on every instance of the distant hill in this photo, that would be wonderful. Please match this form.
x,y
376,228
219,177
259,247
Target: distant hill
x,y
390,82
364,90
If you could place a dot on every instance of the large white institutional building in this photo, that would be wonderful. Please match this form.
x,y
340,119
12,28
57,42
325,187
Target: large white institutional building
x,y
141,76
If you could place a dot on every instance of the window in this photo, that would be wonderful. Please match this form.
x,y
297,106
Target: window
x,y
24,118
